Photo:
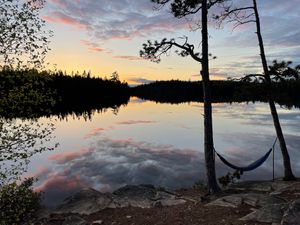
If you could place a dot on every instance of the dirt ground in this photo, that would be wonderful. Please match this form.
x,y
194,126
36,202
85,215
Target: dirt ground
x,y
190,213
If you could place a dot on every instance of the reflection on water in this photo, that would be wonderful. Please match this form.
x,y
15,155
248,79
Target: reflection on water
x,y
160,144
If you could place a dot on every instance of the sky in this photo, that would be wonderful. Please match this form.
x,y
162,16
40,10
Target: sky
x,y
103,36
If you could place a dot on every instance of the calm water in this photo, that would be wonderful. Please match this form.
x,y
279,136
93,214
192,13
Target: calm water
x,y
159,144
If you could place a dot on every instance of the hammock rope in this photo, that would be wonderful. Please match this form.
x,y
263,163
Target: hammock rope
x,y
251,166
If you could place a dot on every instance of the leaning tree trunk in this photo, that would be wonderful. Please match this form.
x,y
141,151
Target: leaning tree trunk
x,y
208,128
288,174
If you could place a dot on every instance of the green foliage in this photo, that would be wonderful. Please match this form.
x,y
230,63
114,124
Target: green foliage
x,y
23,40
283,71
29,93
229,178
25,92
18,203
19,140
182,8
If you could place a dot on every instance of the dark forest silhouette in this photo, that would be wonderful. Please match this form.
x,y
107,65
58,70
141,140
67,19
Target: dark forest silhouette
x,y
29,93
175,91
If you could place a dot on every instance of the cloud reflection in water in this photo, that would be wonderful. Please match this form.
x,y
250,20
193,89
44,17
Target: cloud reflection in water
x,y
107,164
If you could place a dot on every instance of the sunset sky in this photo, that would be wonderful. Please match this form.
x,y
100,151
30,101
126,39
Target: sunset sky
x,y
103,36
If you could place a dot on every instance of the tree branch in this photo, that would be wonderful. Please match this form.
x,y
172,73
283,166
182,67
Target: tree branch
x,y
153,50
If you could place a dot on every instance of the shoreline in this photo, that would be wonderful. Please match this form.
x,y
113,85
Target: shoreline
x,y
250,202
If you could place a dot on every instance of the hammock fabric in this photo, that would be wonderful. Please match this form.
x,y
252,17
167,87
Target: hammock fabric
x,y
251,166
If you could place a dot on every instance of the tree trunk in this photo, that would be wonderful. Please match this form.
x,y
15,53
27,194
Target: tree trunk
x,y
288,174
208,127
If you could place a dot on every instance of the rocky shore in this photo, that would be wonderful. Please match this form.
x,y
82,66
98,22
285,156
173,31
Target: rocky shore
x,y
275,203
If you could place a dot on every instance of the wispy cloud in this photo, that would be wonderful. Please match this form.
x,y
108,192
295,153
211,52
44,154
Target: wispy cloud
x,y
128,57
132,122
122,19
61,18
94,132
92,46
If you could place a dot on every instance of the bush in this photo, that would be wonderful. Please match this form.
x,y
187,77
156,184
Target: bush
x,y
18,203
229,178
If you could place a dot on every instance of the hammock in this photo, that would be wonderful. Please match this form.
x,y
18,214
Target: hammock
x,y
251,166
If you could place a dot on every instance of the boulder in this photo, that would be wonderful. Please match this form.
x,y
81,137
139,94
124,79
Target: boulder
x,y
87,201
141,196
144,196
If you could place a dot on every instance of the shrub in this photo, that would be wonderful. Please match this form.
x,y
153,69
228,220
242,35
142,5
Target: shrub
x,y
229,178
18,203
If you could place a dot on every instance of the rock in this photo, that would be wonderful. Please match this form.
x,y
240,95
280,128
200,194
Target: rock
x,y
87,201
261,186
232,201
252,199
271,213
74,220
43,213
141,196
292,214
290,186
97,222
144,196
136,192
170,202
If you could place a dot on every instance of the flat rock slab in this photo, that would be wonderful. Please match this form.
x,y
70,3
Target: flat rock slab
x,y
74,220
261,186
87,201
292,187
292,214
252,199
268,214
90,201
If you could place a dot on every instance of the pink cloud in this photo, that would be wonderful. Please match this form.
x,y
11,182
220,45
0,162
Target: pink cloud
x,y
67,156
64,19
61,182
94,47
94,132
41,170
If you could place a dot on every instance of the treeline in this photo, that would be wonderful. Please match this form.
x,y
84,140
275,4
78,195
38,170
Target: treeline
x,y
29,93
175,91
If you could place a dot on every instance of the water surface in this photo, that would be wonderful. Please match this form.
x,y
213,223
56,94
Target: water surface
x,y
159,144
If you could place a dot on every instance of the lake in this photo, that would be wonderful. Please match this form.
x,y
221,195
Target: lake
x,y
161,144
